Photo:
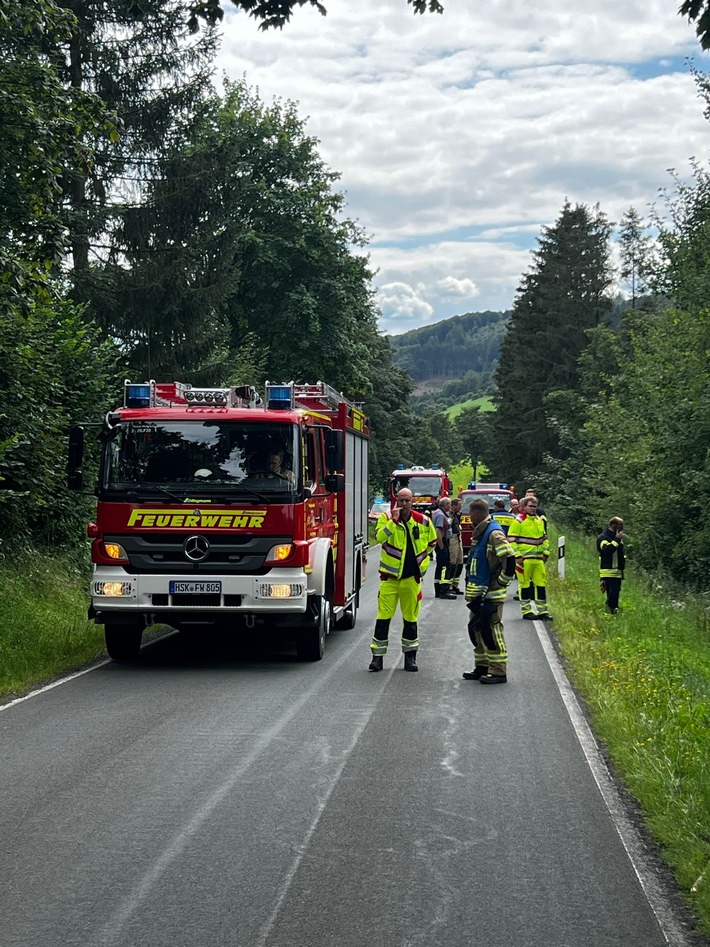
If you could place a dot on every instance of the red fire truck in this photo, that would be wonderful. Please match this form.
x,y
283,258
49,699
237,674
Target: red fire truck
x,y
490,492
426,483
218,508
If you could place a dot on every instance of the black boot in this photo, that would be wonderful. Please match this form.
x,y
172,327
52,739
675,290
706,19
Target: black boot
x,y
376,663
476,674
410,661
444,591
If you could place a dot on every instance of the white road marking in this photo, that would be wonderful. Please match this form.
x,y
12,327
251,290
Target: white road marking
x,y
49,687
631,840
71,677
112,930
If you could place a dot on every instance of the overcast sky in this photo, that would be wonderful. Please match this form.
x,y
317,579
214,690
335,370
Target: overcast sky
x,y
457,137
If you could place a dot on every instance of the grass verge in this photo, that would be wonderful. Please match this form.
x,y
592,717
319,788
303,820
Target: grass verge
x,y
645,677
43,626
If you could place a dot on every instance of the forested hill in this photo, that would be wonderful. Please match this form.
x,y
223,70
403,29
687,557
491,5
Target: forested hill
x,y
453,347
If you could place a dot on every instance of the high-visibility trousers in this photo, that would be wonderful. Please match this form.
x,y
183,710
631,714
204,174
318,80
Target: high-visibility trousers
x,y
407,593
532,585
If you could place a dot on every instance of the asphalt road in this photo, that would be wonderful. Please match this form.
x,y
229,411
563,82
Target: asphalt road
x,y
212,796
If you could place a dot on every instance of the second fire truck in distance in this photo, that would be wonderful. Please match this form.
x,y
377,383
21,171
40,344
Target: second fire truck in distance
x,y
218,508
426,483
490,492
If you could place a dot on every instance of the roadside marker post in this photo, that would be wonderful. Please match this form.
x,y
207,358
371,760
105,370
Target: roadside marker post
x,y
561,556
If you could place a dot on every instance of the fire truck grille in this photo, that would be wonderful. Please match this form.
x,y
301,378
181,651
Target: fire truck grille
x,y
225,553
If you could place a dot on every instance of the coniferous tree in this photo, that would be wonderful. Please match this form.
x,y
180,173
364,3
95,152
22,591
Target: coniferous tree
x,y
141,61
634,247
563,296
46,127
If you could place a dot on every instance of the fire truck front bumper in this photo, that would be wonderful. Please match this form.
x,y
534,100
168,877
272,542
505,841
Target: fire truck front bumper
x,y
279,591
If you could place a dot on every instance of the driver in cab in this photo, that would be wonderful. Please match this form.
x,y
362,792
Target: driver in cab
x,y
276,467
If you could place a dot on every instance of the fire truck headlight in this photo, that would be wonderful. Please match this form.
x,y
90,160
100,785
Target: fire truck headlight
x,y
115,551
279,553
113,589
280,590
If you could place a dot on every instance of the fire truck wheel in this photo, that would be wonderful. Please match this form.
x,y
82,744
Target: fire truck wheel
x,y
123,642
311,644
350,614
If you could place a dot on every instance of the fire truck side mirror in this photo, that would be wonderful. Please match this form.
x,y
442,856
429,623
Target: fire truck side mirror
x,y
335,483
335,450
75,474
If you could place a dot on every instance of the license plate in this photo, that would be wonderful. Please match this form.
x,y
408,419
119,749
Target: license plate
x,y
195,588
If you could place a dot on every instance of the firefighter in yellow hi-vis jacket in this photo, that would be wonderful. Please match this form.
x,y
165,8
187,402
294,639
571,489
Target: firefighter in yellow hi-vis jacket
x,y
408,539
489,571
528,536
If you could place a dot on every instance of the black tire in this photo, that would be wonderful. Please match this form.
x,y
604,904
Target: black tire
x,y
311,641
123,642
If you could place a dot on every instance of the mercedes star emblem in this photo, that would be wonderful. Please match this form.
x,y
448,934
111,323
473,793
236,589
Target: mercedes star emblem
x,y
196,548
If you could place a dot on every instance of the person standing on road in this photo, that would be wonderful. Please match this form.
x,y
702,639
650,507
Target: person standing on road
x,y
528,536
490,570
540,512
440,519
408,539
515,510
502,515
455,547
610,546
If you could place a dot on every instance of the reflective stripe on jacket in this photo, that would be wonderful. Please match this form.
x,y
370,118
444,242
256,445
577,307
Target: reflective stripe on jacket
x,y
611,556
529,537
393,537
484,570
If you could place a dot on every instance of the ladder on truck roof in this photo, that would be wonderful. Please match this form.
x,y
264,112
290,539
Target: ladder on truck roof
x,y
321,396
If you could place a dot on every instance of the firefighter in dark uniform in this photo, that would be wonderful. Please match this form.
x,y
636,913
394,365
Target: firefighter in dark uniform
x,y
610,546
489,571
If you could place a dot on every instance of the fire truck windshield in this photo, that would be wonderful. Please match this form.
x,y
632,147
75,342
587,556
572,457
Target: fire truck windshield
x,y
468,498
420,486
203,456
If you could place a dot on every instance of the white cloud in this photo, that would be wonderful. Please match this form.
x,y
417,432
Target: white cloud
x,y
459,136
403,306
453,288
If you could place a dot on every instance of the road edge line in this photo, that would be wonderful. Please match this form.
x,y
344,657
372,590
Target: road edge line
x,y
634,845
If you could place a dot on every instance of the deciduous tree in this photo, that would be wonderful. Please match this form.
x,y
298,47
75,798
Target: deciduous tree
x,y
242,232
698,12
276,13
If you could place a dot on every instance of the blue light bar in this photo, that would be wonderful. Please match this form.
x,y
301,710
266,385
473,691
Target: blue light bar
x,y
137,396
280,397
